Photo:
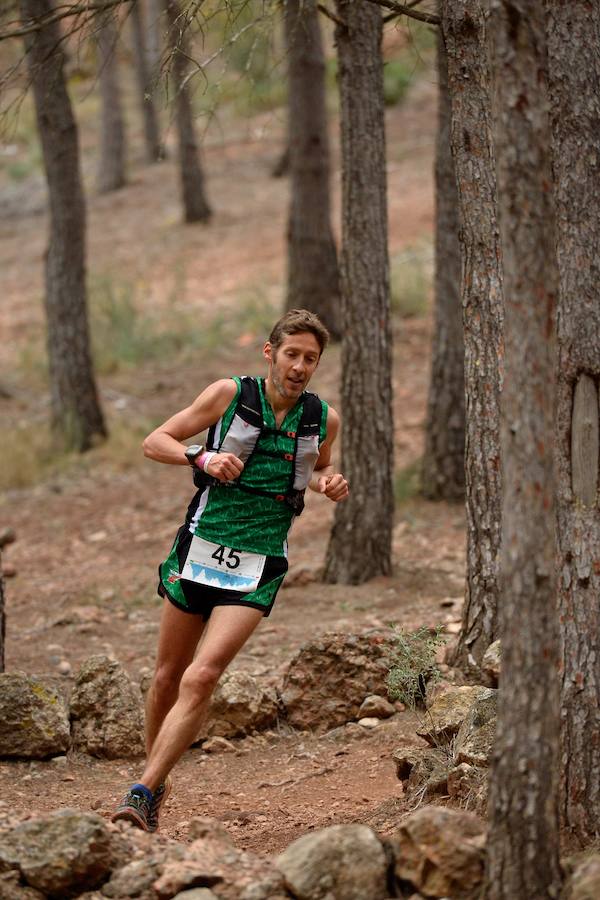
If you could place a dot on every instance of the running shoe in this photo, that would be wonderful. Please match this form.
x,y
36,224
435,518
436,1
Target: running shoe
x,y
135,807
160,795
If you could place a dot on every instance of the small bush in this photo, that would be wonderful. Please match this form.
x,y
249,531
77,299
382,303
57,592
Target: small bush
x,y
410,285
413,664
407,483
398,76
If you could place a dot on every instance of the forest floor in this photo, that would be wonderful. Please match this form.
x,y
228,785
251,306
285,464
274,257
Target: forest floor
x,y
91,532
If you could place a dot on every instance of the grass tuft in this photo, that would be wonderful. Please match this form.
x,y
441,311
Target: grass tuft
x,y
413,663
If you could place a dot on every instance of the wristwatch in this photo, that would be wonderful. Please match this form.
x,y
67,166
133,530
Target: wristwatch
x,y
192,453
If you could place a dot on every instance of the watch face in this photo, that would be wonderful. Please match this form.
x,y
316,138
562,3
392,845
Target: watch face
x,y
192,452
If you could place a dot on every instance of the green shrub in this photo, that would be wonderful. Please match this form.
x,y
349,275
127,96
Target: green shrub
x,y
410,285
407,482
412,663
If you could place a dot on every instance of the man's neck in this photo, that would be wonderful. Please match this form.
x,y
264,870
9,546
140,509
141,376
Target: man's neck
x,y
279,403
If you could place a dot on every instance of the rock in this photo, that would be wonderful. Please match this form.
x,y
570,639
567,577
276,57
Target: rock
x,y
9,570
137,877
447,712
441,852
345,862
376,706
106,711
12,888
405,758
34,721
584,881
196,894
368,723
429,775
213,862
60,854
328,679
475,738
491,663
240,705
218,744
64,667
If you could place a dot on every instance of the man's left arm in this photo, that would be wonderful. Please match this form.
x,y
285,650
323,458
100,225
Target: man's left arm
x,y
324,480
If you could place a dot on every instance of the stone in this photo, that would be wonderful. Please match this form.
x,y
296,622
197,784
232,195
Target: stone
x,y
376,706
368,723
212,861
491,663
464,783
346,862
61,854
447,712
239,706
12,888
328,679
218,744
405,758
475,739
196,894
34,720
106,711
584,881
429,775
441,852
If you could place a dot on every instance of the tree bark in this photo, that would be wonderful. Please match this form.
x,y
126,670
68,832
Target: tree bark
x,y
360,543
145,86
574,66
195,203
465,35
523,837
76,415
443,475
313,277
111,169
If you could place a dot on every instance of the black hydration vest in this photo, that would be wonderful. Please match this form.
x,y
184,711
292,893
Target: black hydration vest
x,y
243,434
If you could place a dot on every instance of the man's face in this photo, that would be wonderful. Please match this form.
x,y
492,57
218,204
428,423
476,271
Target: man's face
x,y
291,366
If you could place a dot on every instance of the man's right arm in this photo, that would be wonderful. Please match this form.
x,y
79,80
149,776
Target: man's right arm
x,y
165,443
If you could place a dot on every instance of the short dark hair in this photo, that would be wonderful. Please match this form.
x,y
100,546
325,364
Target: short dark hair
x,y
297,321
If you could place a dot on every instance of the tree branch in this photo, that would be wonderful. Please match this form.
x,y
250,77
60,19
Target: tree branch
x,y
77,9
330,15
400,9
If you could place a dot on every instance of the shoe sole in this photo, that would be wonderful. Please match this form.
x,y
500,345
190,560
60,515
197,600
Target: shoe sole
x,y
130,815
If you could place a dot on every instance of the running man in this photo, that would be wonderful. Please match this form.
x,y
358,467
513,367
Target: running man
x,y
268,440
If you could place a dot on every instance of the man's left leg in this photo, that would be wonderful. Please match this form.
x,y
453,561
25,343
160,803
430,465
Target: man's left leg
x,y
228,629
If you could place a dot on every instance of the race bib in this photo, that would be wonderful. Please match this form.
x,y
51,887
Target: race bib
x,y
222,567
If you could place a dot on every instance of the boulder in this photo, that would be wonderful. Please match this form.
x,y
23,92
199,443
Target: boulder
x,y
107,711
376,706
212,861
239,706
346,862
328,679
429,775
491,663
468,785
61,854
441,852
12,888
475,739
584,881
405,758
447,712
34,721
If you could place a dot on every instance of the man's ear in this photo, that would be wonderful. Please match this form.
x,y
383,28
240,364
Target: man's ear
x,y
268,351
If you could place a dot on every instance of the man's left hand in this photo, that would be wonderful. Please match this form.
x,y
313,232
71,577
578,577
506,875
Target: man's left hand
x,y
334,486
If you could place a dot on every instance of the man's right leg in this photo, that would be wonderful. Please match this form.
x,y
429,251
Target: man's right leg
x,y
177,641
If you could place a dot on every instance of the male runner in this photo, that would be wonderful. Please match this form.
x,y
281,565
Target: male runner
x,y
268,440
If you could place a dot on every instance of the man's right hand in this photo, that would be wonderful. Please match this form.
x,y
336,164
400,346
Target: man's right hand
x,y
225,467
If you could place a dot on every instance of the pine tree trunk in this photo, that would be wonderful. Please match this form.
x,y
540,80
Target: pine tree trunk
x,y
360,543
195,204
469,77
443,475
111,170
145,86
313,278
523,806
574,67
155,29
76,415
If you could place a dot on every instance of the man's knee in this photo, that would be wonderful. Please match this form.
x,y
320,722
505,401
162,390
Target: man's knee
x,y
201,679
167,678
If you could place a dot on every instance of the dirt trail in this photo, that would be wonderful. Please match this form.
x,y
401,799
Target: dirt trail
x,y
88,544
